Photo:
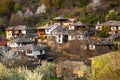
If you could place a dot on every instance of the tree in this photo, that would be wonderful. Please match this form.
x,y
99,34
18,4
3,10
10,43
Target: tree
x,y
104,33
106,66
47,69
17,7
52,5
16,19
6,6
84,2
3,21
112,15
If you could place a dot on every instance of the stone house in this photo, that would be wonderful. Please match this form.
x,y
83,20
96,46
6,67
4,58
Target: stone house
x,y
78,35
100,47
70,70
60,35
114,26
77,26
19,31
45,31
61,21
32,51
19,42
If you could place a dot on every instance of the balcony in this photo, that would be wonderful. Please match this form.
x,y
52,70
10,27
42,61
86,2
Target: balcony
x,y
41,33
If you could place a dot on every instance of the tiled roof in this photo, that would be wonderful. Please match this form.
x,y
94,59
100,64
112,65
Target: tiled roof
x,y
43,27
53,27
20,40
32,47
110,23
79,24
19,27
60,30
76,33
60,17
32,35
116,35
3,43
71,64
103,42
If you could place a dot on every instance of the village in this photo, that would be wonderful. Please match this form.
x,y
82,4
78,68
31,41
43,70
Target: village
x,y
62,35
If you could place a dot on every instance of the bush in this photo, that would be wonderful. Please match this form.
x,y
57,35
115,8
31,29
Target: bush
x,y
17,7
9,74
47,70
43,72
103,34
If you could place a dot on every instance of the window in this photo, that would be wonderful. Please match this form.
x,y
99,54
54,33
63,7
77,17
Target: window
x,y
80,37
40,51
84,47
59,36
18,44
59,40
45,37
72,37
47,30
29,51
92,47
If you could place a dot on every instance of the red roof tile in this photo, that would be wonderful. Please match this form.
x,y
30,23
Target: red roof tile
x,y
3,43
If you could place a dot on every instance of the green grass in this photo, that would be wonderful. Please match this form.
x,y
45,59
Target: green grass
x,y
54,78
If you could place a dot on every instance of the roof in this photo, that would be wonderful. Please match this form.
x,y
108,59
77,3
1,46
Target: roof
x,y
53,27
114,36
60,30
105,42
32,35
19,27
98,43
80,32
32,47
20,40
60,18
3,43
43,27
110,23
79,23
71,64
92,41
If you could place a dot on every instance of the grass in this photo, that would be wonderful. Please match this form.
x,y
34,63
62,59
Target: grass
x,y
54,78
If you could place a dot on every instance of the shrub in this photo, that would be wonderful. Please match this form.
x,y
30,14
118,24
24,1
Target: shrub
x,y
16,7
43,72
47,70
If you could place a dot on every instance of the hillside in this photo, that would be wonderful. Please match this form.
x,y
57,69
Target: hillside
x,y
106,67
33,12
